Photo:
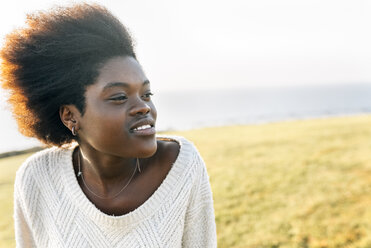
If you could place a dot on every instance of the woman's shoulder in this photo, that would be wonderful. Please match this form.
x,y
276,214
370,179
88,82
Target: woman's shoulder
x,y
180,149
175,145
177,141
40,162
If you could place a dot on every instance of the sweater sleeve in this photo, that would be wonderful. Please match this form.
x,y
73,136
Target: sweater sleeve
x,y
200,227
23,235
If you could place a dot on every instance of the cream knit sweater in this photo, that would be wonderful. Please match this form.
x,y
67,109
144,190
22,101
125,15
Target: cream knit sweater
x,y
51,210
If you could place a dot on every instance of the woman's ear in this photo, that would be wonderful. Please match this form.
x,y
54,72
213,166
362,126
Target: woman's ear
x,y
69,115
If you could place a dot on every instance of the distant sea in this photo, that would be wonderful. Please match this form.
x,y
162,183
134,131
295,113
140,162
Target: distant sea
x,y
182,110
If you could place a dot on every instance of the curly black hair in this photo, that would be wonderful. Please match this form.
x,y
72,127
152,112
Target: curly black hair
x,y
50,62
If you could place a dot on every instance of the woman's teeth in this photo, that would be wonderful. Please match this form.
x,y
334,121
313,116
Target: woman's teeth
x,y
142,127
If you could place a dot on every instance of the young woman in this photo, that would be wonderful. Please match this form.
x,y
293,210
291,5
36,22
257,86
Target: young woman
x,y
108,181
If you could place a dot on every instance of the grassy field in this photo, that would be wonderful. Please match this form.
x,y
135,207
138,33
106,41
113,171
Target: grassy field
x,y
8,167
289,184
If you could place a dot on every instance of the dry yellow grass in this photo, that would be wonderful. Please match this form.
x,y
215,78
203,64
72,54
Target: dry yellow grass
x,y
8,167
288,184
291,184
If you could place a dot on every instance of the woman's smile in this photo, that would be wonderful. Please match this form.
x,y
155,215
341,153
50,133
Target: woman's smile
x,y
143,127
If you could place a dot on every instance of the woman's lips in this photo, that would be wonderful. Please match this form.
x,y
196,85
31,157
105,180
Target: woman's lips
x,y
144,132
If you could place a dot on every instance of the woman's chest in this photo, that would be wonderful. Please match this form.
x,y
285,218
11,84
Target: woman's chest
x,y
133,196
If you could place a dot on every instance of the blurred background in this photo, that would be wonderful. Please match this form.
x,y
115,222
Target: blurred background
x,y
298,68
216,62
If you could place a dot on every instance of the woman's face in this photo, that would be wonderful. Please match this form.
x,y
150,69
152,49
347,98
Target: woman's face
x,y
120,117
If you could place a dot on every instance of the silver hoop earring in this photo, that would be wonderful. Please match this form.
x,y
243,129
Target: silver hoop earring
x,y
74,131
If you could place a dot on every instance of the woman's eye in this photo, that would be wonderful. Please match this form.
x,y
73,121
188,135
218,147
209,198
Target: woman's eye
x,y
118,98
148,95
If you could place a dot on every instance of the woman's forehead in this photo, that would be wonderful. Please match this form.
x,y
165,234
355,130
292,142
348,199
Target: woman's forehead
x,y
124,70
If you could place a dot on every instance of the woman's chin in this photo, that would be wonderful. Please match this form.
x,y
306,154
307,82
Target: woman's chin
x,y
148,151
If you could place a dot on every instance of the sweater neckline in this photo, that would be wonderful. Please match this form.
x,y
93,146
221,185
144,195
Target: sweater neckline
x,y
142,212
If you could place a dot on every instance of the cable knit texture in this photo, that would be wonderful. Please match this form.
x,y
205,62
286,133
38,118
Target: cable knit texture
x,y
51,210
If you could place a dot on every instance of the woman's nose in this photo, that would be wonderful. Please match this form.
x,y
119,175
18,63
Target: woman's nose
x,y
140,107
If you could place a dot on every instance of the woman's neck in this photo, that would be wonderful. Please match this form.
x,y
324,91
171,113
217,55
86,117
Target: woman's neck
x,y
104,172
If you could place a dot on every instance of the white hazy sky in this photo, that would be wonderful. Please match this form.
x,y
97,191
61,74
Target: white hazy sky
x,y
206,44
239,43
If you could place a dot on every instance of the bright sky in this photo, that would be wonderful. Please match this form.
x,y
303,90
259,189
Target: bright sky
x,y
239,43
206,44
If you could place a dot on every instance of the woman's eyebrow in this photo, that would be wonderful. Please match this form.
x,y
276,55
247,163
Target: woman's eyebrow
x,y
121,84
